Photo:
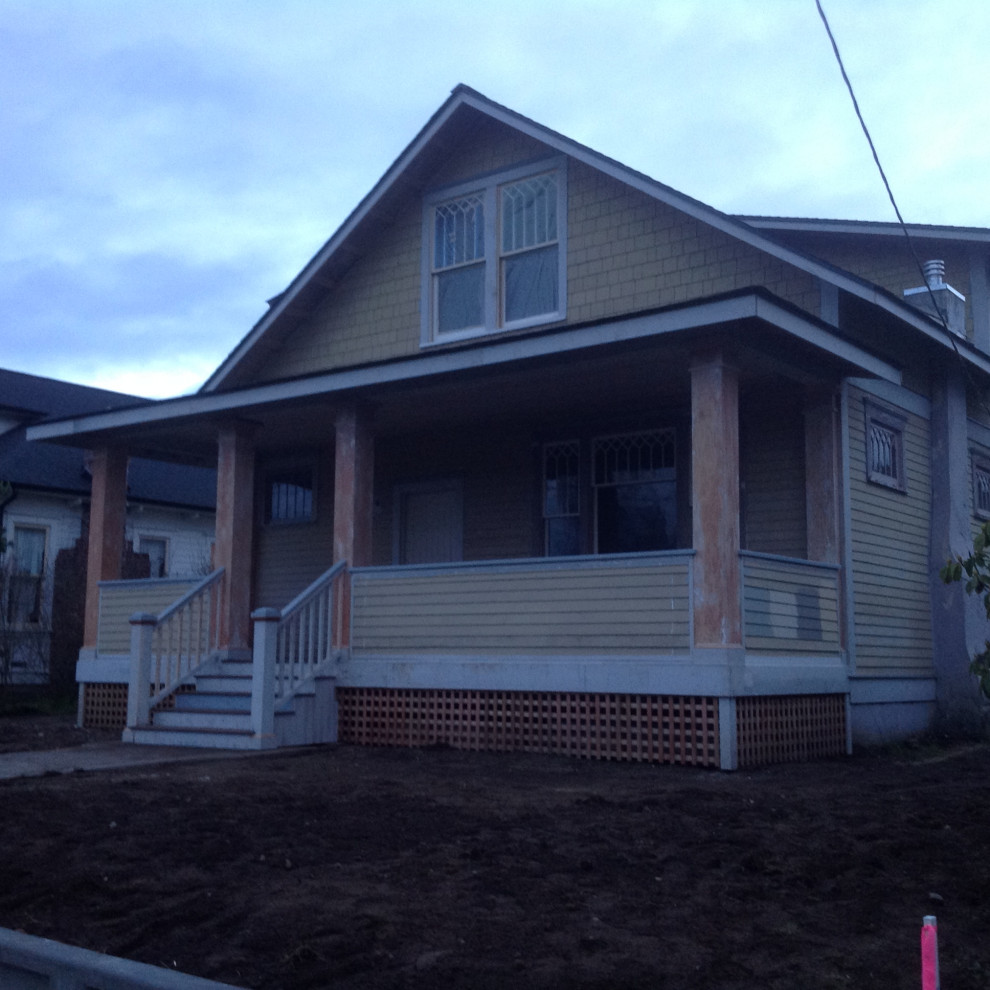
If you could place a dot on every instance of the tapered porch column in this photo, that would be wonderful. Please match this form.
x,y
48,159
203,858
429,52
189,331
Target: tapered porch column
x,y
234,535
353,500
715,501
822,472
107,517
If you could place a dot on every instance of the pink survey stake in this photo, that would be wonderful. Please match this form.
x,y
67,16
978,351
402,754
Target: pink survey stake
x,y
929,954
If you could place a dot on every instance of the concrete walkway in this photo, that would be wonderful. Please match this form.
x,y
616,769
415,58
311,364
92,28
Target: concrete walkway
x,y
107,756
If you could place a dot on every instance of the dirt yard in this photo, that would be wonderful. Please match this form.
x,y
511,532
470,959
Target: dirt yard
x,y
347,867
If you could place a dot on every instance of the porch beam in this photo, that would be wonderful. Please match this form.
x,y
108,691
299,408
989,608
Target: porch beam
x,y
107,518
234,535
715,500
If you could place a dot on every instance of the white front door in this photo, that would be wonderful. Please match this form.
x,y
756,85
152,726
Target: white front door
x,y
429,523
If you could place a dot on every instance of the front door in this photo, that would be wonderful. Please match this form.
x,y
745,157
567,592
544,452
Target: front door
x,y
429,523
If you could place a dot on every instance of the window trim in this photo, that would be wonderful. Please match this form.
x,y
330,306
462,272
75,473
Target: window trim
x,y
41,579
269,476
883,418
488,186
143,538
980,464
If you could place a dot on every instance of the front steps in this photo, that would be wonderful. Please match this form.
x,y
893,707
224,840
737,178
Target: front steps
x,y
212,710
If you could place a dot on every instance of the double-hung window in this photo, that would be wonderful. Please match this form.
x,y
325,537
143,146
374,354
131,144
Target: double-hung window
x,y
495,254
24,596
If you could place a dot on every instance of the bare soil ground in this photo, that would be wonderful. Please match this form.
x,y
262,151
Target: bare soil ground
x,y
347,867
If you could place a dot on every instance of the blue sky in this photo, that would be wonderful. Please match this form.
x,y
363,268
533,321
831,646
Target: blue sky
x,y
166,165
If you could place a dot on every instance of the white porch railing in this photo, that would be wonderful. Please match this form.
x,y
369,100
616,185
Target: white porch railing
x,y
169,646
291,645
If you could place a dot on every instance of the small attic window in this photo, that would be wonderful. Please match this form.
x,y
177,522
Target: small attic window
x,y
494,254
885,448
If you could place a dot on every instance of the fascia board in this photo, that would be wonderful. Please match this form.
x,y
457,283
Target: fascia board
x,y
868,228
497,352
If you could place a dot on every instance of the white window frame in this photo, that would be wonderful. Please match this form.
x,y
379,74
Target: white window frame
x,y
880,418
488,188
42,578
981,483
143,538
271,475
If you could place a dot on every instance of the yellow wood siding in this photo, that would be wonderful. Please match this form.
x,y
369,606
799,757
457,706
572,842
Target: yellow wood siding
x,y
118,602
579,610
891,560
790,607
773,479
290,556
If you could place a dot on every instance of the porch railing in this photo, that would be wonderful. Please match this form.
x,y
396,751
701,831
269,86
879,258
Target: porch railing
x,y
167,647
635,604
789,606
306,630
292,644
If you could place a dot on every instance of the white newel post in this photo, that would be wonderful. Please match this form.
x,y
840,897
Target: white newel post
x,y
263,671
139,688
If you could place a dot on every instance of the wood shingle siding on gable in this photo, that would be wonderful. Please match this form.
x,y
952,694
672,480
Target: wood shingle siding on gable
x,y
626,252
581,608
891,566
630,252
120,600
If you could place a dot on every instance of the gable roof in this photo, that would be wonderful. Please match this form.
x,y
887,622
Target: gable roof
x,y
31,399
463,111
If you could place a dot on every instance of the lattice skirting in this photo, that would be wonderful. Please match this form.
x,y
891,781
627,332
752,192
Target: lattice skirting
x,y
104,706
654,728
790,728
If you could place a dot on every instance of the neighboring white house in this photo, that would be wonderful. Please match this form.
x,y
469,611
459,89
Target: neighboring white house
x,y
170,518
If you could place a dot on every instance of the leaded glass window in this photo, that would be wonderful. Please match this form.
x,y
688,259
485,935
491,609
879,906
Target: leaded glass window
x,y
562,498
885,447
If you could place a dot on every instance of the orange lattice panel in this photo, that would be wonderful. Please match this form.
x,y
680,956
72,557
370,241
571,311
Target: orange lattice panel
x,y
105,706
790,728
653,728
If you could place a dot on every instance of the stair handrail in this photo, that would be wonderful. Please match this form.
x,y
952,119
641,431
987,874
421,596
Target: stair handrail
x,y
186,634
306,630
168,646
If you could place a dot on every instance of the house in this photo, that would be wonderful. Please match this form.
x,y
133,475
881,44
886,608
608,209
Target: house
x,y
168,525
537,452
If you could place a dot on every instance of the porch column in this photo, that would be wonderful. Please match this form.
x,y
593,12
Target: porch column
x,y
234,535
107,516
353,501
715,501
822,472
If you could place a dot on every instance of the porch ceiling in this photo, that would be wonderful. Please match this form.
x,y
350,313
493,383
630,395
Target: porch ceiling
x,y
638,364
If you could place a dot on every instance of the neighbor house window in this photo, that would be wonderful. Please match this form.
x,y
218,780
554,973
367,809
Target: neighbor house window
x,y
981,487
885,447
26,576
289,495
495,251
157,550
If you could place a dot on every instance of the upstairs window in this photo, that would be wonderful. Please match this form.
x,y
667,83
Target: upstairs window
x,y
495,253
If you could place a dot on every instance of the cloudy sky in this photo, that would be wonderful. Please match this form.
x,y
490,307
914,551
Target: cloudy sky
x,y
168,165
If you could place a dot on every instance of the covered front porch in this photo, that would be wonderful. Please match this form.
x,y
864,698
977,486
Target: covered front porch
x,y
631,550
